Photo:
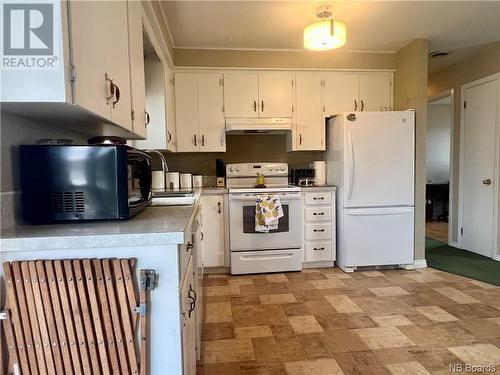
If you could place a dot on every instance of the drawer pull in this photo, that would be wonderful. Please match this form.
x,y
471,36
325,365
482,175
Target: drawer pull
x,y
318,198
319,248
189,246
318,230
318,213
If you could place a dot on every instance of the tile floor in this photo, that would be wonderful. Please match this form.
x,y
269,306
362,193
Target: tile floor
x,y
326,322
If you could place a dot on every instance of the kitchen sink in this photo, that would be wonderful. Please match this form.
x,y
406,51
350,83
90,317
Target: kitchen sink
x,y
172,194
173,198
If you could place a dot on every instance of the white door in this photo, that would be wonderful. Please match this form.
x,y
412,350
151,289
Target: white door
x,y
241,94
213,230
379,159
309,120
374,92
186,112
340,94
212,128
378,236
478,163
275,95
137,79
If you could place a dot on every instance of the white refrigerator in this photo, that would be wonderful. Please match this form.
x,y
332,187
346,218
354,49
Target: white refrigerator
x,y
371,159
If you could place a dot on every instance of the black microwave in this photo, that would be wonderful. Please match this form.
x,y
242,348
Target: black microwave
x,y
83,182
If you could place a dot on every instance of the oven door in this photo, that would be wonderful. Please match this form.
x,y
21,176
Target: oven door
x,y
242,234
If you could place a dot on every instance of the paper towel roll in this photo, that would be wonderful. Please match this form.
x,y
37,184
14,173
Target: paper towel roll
x,y
320,172
158,180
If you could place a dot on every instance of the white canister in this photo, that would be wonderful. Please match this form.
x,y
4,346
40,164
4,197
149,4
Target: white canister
x,y
186,182
158,180
320,172
172,180
197,181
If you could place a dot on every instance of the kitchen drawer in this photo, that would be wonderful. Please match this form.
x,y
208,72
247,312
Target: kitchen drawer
x,y
318,231
185,252
319,197
319,251
318,213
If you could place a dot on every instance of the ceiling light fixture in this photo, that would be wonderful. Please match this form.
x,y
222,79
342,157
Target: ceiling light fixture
x,y
326,34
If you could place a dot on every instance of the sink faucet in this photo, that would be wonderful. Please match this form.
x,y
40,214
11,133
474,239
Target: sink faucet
x,y
164,166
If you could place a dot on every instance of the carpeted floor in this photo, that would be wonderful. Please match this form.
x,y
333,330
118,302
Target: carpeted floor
x,y
461,262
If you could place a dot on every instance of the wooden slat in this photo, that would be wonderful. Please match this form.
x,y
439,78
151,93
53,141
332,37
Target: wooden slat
x,y
58,293
86,316
96,316
129,278
42,322
35,327
43,283
106,317
115,316
77,314
16,319
25,318
125,316
144,330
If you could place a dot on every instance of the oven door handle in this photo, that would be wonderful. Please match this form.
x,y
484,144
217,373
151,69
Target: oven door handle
x,y
252,198
266,256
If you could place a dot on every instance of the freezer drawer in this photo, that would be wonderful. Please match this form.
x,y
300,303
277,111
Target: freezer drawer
x,y
378,236
318,213
243,262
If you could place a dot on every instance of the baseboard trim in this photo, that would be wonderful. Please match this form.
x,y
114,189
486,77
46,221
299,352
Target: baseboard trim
x,y
454,244
214,270
324,264
420,263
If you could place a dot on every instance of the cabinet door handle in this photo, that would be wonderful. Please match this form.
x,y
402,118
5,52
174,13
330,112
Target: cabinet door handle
x,y
319,248
318,198
362,105
262,105
117,94
169,137
203,140
219,208
318,213
148,118
318,230
355,105
202,236
192,297
195,140
300,139
107,79
189,246
255,106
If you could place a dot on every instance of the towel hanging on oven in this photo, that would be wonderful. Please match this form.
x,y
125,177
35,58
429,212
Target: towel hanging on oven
x,y
268,211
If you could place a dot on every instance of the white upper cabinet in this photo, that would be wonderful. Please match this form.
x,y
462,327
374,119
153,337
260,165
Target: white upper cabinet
x,y
275,95
199,116
137,78
100,54
211,123
375,92
241,94
340,93
309,120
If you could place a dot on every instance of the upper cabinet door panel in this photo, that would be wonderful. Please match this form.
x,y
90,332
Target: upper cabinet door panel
x,y
340,93
275,95
210,116
241,94
375,92
309,120
186,111
137,79
99,42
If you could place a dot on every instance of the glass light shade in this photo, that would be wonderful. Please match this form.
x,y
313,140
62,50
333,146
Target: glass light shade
x,y
325,35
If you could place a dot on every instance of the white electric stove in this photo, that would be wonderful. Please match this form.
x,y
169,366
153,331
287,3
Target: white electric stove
x,y
255,252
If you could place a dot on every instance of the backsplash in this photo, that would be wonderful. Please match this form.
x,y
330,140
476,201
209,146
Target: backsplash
x,y
242,149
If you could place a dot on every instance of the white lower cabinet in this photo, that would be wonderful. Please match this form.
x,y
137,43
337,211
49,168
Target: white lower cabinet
x,y
188,322
319,226
214,230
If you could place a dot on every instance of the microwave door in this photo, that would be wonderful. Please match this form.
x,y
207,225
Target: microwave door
x,y
138,182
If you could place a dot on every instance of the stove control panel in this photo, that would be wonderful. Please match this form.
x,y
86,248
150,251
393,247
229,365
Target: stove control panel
x,y
253,169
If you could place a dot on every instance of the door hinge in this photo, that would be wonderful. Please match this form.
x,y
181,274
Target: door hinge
x,y
292,82
132,115
465,104
172,81
462,231
4,315
72,72
142,309
148,279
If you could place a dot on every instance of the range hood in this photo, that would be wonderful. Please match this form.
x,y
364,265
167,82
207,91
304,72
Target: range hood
x,y
264,125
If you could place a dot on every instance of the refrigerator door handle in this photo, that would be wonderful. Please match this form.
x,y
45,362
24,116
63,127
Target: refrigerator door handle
x,y
380,211
350,167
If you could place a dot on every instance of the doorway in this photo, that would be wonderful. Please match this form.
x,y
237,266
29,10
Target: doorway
x,y
438,166
479,164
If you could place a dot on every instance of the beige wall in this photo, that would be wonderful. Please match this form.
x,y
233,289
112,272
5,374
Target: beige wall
x,y
410,91
284,59
453,77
